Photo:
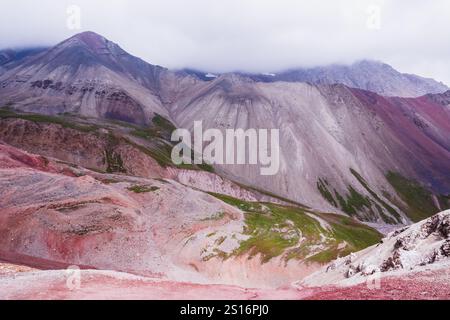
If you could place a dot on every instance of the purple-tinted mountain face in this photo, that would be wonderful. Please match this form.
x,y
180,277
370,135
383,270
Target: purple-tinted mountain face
x,y
86,74
90,49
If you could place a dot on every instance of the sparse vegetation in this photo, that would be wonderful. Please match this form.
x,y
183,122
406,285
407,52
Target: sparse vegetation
x,y
357,237
113,161
241,204
356,204
293,232
158,135
206,167
84,230
322,186
444,201
161,151
162,123
38,118
417,197
143,189
215,217
389,208
220,240
109,181
272,195
160,128
268,231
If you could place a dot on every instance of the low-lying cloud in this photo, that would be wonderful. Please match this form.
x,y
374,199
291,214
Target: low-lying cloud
x,y
249,35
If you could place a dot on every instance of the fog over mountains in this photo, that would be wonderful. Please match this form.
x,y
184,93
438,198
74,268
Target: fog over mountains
x,y
369,75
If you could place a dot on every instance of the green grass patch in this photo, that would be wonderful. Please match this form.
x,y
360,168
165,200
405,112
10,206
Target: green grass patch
x,y
240,204
161,152
444,201
158,133
353,203
163,124
418,199
389,208
38,118
322,186
159,128
142,133
215,217
272,195
357,236
161,146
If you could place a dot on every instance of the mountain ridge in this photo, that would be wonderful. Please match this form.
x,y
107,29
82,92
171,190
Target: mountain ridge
x,y
383,78
363,74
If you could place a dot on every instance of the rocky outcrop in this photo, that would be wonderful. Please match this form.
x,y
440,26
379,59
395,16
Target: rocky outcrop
x,y
408,250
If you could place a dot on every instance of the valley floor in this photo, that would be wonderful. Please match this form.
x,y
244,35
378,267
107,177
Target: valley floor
x,y
23,283
26,283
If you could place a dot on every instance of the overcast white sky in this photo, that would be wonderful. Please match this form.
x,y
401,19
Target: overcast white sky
x,y
249,35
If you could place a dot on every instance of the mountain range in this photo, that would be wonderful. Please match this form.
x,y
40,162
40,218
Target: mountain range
x,y
369,75
344,145
85,131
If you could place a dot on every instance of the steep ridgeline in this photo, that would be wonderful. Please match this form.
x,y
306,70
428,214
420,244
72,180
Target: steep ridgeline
x,y
86,74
